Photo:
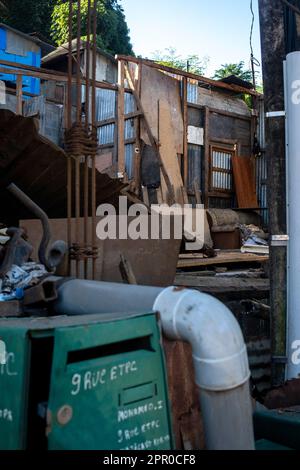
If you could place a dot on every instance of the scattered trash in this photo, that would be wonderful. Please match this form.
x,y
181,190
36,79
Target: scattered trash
x,y
19,278
254,240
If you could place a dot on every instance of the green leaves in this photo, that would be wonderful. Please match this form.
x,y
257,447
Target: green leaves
x,y
112,29
51,19
192,63
238,70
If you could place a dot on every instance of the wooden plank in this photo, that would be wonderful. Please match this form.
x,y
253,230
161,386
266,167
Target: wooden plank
x,y
127,271
244,182
56,76
169,155
146,196
222,258
159,88
120,117
223,285
198,194
198,78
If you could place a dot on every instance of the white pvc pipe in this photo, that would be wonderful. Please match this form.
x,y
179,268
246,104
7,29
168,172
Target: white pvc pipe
x,y
292,93
220,362
219,351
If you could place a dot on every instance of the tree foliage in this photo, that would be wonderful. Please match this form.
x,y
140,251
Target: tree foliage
x,y
51,19
191,63
27,15
238,70
112,29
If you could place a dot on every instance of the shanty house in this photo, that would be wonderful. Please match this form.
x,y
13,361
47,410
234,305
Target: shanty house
x,y
21,48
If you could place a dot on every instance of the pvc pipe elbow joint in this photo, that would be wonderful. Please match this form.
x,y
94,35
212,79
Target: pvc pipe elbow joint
x,y
219,351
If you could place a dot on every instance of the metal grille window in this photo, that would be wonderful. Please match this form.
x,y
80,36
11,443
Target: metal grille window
x,y
221,174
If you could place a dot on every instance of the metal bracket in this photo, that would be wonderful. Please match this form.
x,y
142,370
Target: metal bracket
x,y
275,114
280,240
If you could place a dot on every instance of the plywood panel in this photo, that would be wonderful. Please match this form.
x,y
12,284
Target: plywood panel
x,y
159,87
244,182
168,153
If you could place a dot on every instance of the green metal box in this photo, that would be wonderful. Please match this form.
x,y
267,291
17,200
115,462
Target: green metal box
x,y
84,383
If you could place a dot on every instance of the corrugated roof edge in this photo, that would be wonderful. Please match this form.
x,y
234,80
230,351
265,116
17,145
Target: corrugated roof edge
x,y
26,36
64,49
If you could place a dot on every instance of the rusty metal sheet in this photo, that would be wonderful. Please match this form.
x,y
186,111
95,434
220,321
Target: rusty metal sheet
x,y
186,413
284,397
39,168
153,262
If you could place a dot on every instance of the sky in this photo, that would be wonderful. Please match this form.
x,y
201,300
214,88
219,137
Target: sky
x,y
219,29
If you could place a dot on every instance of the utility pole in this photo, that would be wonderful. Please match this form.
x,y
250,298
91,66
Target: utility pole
x,y
273,54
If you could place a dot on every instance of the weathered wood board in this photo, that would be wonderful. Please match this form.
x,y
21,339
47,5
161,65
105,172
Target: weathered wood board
x,y
159,87
244,182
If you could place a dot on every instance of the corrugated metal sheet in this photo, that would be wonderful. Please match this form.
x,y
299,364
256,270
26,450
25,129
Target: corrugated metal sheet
x,y
195,166
106,134
50,117
221,180
129,159
259,353
106,109
261,165
220,203
129,106
105,104
192,93
129,129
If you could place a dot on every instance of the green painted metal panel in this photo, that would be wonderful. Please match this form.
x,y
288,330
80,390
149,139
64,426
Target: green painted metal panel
x,y
279,426
13,389
264,445
108,387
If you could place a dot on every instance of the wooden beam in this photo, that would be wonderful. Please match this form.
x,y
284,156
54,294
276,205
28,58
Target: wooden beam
x,y
199,78
127,117
120,117
127,271
42,74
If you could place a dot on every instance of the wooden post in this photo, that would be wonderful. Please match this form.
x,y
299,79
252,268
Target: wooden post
x,y
185,131
137,126
19,109
206,157
273,54
120,116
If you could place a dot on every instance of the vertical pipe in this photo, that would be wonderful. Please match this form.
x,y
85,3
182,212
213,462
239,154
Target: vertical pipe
x,y
94,130
293,170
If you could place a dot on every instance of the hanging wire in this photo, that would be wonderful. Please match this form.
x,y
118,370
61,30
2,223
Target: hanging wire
x,y
254,61
291,6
